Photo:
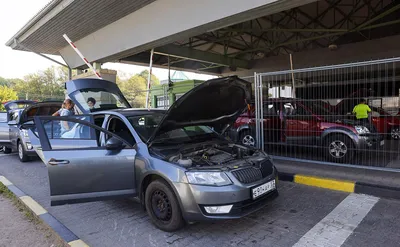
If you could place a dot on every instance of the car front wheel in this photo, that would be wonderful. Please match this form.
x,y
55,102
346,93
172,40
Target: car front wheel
x,y
22,153
395,133
163,207
247,139
339,149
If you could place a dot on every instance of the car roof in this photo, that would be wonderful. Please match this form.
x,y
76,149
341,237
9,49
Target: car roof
x,y
134,111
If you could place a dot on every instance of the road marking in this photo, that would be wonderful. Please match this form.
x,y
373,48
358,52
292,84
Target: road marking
x,y
33,205
338,225
78,243
5,181
332,184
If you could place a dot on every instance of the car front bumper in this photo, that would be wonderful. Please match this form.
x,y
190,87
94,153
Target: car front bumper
x,y
371,141
194,199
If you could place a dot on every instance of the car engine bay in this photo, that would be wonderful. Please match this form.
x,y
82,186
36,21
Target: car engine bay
x,y
216,156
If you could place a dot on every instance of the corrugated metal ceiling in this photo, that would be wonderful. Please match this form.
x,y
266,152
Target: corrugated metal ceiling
x,y
77,20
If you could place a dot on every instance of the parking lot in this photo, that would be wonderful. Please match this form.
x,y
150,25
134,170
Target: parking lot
x,y
304,215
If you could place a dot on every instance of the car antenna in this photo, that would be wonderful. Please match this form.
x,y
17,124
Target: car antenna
x,y
81,56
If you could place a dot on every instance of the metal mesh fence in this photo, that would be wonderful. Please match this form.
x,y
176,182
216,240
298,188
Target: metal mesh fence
x,y
324,116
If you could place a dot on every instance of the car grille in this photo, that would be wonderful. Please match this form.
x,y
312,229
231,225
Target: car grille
x,y
253,174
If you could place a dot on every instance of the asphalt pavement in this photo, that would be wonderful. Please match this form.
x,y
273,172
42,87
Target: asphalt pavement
x,y
300,216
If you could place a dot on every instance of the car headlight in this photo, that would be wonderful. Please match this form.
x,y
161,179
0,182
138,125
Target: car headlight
x,y
361,129
25,133
208,178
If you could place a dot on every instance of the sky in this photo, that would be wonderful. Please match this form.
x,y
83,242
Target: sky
x,y
16,64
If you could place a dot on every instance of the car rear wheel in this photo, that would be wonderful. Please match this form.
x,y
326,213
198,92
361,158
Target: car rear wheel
x,y
7,150
395,133
22,153
163,207
247,139
339,149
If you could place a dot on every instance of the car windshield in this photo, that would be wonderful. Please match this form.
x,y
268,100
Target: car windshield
x,y
145,125
97,100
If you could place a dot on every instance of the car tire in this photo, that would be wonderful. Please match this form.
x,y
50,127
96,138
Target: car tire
x,y
247,138
339,149
163,207
7,150
395,133
21,152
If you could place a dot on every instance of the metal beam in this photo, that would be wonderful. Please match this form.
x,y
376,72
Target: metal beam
x,y
292,30
40,54
197,55
317,37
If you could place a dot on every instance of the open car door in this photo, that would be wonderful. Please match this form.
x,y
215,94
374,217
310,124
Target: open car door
x,y
86,162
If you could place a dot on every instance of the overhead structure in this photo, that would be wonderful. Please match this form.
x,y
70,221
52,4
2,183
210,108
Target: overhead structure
x,y
216,37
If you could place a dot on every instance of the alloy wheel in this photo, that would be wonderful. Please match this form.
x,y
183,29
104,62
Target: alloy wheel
x,y
395,133
337,149
20,151
248,140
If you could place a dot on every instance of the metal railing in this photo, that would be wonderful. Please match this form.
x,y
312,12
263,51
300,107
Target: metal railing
x,y
314,120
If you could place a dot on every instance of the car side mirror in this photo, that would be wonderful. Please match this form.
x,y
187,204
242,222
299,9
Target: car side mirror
x,y
12,122
114,144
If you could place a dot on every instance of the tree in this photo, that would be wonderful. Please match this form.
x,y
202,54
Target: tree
x,y
47,84
154,80
134,90
6,94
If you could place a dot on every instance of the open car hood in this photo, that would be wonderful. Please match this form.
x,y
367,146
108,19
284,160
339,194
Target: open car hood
x,y
39,109
106,93
214,103
17,104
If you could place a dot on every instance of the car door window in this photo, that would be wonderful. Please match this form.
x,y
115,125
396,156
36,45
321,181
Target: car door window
x,y
294,110
65,129
270,110
118,127
78,132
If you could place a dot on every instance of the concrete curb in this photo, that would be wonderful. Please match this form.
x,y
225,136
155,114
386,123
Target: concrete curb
x,y
41,213
342,185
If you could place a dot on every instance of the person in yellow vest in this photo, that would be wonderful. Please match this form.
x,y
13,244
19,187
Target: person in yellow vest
x,y
362,112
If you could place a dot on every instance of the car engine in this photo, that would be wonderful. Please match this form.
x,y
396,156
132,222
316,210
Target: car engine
x,y
228,155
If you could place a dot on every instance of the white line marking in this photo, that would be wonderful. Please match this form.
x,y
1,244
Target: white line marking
x,y
33,205
5,181
338,225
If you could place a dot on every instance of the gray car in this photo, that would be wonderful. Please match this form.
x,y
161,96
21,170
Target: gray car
x,y
15,122
179,168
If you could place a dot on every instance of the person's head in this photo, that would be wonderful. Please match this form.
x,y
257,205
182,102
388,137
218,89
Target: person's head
x,y
363,101
91,102
68,104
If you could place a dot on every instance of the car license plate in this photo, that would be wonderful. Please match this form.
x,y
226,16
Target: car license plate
x,y
382,143
263,189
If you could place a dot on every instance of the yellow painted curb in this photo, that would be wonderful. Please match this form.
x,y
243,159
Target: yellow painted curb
x,y
332,184
78,243
33,205
5,181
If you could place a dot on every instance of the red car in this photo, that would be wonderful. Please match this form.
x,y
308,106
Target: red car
x,y
306,123
384,122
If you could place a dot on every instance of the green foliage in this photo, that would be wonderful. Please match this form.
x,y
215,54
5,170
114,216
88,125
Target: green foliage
x,y
46,84
134,88
6,94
